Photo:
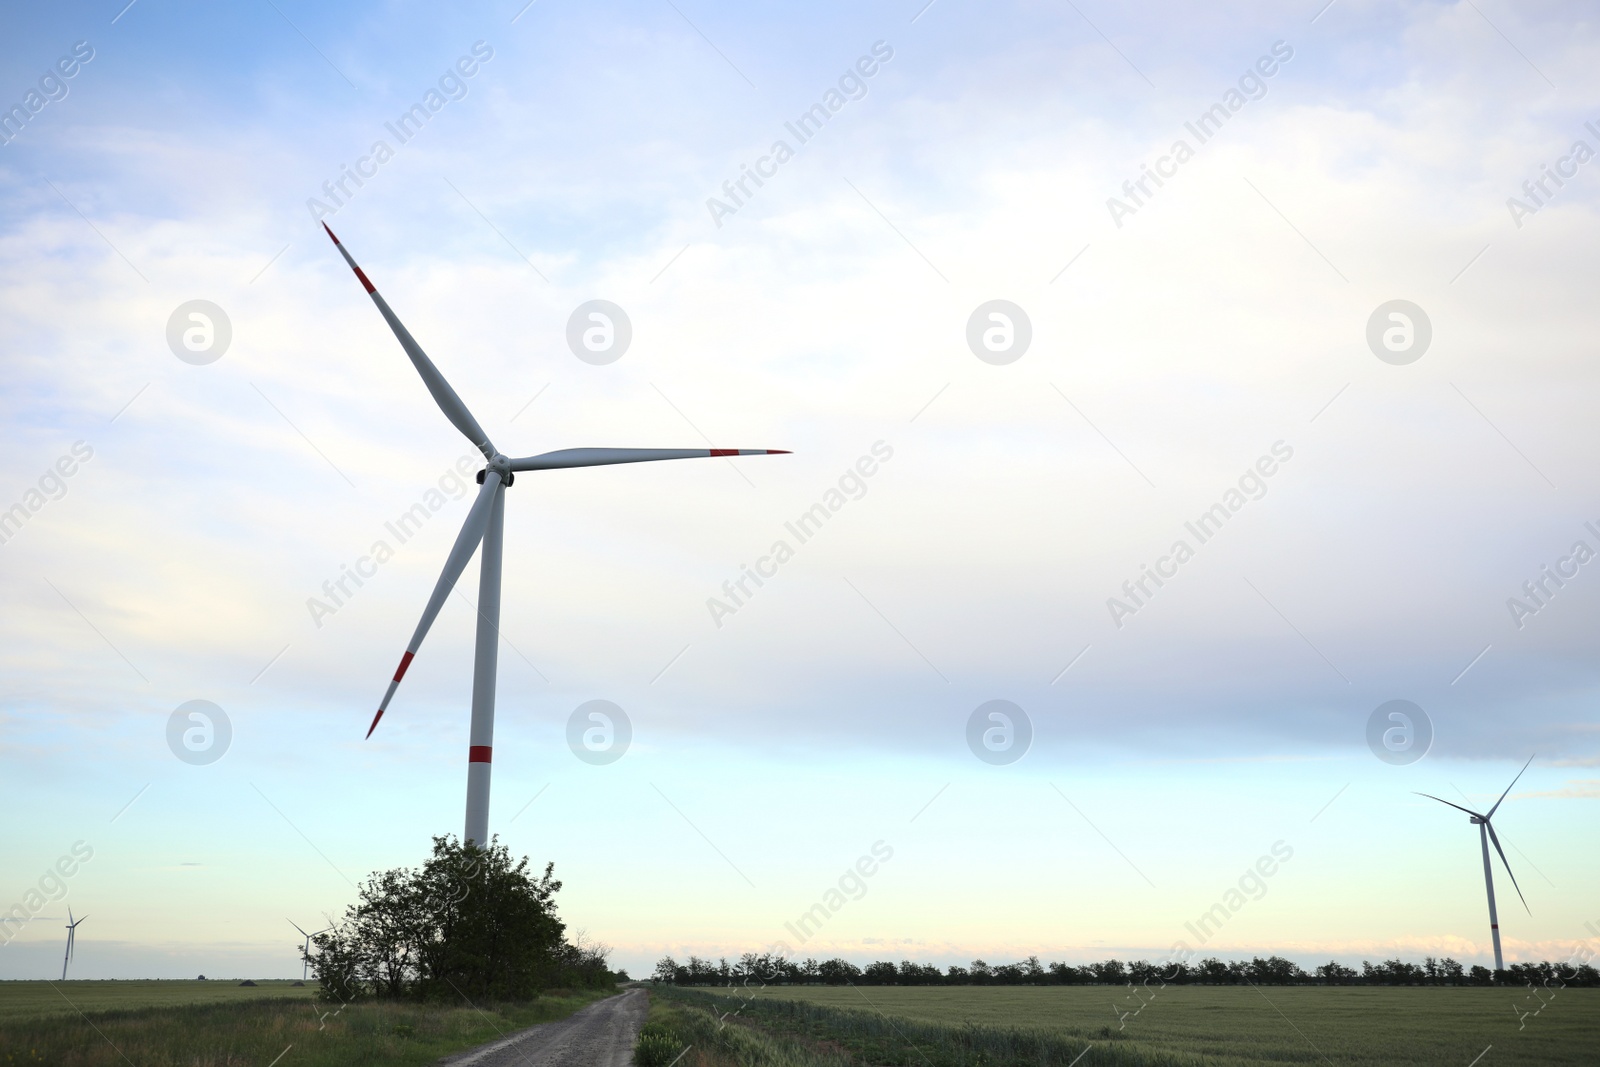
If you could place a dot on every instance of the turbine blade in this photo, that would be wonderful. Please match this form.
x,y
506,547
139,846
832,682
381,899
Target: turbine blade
x,y
296,925
1507,866
1458,807
600,457
1508,788
443,395
467,540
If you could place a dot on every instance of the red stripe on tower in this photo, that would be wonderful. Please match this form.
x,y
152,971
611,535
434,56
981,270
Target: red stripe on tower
x,y
478,754
405,661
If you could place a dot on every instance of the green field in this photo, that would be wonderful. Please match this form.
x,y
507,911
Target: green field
x,y
223,1024
18,999
1236,1026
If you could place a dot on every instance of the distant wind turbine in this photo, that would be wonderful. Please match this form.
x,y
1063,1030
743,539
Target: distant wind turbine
x,y
305,955
72,931
485,525
1486,834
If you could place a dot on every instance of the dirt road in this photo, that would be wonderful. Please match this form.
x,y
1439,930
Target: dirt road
x,y
601,1035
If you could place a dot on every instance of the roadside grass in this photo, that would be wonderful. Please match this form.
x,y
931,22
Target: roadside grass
x,y
1183,1026
256,1033
681,1032
19,999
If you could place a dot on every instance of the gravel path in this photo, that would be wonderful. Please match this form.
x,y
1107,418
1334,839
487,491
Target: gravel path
x,y
601,1035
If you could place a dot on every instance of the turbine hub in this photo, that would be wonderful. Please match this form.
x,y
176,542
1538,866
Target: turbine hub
x,y
501,465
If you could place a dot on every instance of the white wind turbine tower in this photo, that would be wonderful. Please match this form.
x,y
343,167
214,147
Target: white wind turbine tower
x,y
72,931
485,524
305,955
1486,834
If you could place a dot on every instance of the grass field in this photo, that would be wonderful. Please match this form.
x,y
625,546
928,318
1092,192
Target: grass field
x,y
1184,1025
192,1024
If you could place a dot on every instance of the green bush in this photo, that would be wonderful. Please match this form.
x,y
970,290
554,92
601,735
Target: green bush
x,y
657,1046
470,924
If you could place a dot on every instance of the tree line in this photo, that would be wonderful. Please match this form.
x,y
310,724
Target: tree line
x,y
468,923
753,968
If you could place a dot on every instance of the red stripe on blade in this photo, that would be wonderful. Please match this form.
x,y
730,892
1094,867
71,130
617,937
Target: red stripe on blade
x,y
779,452
363,278
330,233
724,451
405,661
375,719
478,754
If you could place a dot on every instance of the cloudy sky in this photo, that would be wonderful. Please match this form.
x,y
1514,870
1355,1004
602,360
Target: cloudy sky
x,y
1160,349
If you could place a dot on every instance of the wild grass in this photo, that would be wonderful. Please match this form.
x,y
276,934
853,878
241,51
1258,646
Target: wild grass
x,y
683,1033
1186,1026
255,1033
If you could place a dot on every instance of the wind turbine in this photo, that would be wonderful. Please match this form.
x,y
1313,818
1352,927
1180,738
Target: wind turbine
x,y
72,931
485,524
1485,835
305,954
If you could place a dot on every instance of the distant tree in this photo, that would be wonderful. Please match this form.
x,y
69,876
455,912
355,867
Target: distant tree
x,y
1111,972
979,972
1065,974
839,972
880,973
1212,971
1450,971
1007,974
1274,970
957,975
1480,975
1335,973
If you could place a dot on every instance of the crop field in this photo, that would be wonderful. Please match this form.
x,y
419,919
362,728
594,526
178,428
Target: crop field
x,y
210,1024
19,999
1232,1026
